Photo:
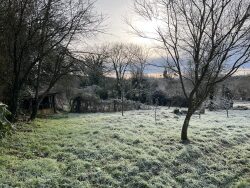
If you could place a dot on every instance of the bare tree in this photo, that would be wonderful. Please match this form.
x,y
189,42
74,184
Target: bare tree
x,y
208,41
33,29
82,21
140,60
93,64
120,60
137,68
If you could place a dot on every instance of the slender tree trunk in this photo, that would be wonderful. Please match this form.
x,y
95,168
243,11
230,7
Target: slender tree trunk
x,y
54,104
156,105
119,92
122,103
184,132
13,104
156,114
34,111
35,106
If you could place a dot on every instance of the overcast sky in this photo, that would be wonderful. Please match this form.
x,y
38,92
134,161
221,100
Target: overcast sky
x,y
115,11
116,29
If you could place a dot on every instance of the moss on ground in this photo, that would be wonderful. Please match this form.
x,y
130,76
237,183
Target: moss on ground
x,y
107,150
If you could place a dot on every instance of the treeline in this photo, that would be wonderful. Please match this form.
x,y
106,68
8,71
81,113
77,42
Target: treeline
x,y
117,71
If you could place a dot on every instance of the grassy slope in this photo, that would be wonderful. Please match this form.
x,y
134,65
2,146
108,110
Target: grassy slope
x,y
107,150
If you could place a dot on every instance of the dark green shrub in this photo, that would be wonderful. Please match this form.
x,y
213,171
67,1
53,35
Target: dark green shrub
x,y
5,125
159,98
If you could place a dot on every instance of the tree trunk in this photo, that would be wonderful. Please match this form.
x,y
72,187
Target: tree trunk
x,y
155,115
119,90
54,104
35,107
122,103
156,105
185,126
14,105
14,101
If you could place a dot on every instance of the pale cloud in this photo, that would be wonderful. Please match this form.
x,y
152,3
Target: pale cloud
x,y
115,11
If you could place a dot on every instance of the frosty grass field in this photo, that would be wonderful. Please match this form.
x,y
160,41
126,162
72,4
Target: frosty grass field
x,y
107,150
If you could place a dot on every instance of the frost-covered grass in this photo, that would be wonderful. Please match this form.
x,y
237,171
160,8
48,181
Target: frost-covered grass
x,y
107,150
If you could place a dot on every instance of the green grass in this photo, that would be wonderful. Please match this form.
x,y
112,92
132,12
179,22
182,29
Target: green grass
x,y
107,150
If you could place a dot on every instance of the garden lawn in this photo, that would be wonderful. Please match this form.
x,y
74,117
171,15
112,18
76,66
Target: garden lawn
x,y
108,150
